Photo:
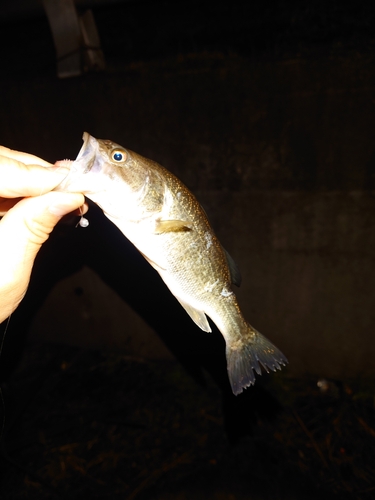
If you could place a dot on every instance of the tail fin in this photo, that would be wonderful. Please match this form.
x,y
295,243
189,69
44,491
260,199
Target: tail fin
x,y
249,354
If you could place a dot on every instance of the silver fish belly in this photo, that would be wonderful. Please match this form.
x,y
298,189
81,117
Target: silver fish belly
x,y
163,219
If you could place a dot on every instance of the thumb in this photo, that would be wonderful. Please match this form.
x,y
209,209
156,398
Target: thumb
x,y
23,230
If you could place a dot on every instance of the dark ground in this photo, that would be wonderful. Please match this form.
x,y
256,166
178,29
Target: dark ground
x,y
80,423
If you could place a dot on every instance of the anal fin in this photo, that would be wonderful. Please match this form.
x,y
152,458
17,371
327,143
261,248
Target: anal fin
x,y
156,266
197,316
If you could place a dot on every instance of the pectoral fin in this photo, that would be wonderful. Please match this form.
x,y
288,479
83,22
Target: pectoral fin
x,y
198,317
235,274
167,226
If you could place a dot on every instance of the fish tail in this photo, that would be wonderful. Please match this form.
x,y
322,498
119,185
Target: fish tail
x,y
248,354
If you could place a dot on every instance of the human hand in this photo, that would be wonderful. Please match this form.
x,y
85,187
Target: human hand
x,y
30,211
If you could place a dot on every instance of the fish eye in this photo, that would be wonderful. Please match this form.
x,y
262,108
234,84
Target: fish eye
x,y
118,156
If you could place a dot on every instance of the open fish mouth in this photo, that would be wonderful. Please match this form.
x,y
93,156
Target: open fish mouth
x,y
86,156
85,148
77,180
86,139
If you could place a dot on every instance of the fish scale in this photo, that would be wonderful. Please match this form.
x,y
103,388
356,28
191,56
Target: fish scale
x,y
164,220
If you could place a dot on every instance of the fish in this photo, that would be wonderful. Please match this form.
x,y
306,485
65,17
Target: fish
x,y
167,224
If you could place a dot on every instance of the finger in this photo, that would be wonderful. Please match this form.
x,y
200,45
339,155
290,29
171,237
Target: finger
x,y
18,179
6,204
22,232
25,158
31,220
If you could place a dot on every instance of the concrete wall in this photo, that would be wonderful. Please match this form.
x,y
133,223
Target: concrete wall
x,y
282,156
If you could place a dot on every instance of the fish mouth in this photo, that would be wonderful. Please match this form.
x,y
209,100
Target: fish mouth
x,y
87,150
77,180
86,141
86,156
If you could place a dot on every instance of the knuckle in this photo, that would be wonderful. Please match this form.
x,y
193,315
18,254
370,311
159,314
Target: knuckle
x,y
38,231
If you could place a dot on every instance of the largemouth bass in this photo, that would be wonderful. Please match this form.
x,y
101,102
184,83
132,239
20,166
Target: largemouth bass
x,y
163,219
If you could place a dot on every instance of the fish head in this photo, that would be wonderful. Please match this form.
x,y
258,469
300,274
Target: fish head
x,y
113,177
93,165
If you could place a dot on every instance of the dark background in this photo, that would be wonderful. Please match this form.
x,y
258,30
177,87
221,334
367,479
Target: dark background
x,y
266,110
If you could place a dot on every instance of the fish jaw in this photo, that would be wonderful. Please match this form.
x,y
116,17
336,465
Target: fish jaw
x,y
101,180
84,176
